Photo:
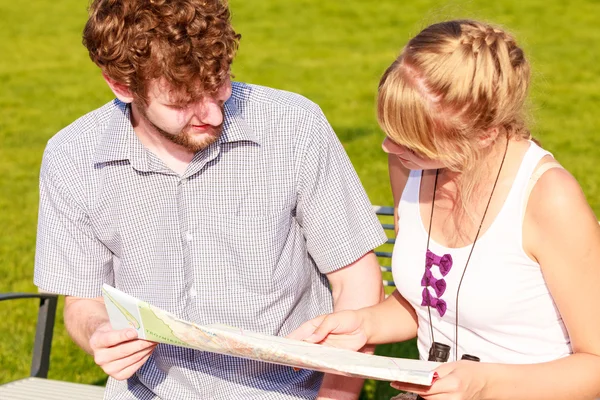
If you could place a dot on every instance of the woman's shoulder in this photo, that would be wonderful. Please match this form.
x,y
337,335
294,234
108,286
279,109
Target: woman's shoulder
x,y
553,186
557,204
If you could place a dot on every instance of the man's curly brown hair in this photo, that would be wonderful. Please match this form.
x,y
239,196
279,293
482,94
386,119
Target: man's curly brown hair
x,y
188,43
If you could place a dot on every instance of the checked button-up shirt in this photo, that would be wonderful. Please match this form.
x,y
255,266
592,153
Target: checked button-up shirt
x,y
244,237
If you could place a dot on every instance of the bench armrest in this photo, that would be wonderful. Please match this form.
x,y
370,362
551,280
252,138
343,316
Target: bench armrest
x,y
40,362
386,213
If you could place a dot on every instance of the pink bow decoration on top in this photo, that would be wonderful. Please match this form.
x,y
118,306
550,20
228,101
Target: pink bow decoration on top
x,y
439,285
438,304
444,262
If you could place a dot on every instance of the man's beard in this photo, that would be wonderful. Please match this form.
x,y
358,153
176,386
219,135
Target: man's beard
x,y
185,139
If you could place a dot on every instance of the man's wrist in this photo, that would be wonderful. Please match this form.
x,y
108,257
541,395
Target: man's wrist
x,y
338,387
333,394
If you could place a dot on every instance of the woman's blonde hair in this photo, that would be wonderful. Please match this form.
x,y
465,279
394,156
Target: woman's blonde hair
x,y
453,82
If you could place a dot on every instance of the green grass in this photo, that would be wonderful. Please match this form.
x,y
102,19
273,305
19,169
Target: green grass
x,y
331,51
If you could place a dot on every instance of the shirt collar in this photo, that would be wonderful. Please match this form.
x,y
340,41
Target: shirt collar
x,y
235,127
118,140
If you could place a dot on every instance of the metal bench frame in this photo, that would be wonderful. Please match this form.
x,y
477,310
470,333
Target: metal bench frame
x,y
388,212
44,330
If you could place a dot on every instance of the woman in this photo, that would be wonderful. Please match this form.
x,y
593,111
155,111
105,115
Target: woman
x,y
497,253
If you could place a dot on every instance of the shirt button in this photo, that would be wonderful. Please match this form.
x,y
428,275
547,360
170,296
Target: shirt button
x,y
188,236
192,292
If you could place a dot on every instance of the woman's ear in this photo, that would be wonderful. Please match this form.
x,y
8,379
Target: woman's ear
x,y
488,137
120,90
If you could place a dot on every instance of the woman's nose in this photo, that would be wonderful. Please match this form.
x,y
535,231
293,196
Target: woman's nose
x,y
390,147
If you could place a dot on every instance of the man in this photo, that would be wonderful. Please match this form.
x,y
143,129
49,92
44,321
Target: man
x,y
218,202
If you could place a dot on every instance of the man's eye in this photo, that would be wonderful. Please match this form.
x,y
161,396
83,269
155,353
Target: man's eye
x,y
177,107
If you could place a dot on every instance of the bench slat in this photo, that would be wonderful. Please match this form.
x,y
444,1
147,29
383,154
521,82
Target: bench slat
x,y
49,389
383,210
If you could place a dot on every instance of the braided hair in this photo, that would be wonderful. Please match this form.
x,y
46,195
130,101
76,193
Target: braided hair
x,y
451,84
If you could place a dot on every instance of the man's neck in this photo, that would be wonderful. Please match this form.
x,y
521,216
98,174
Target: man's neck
x,y
175,157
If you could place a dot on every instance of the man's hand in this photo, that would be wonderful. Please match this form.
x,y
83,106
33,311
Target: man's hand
x,y
119,353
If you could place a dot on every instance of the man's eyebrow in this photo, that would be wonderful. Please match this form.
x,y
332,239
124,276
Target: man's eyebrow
x,y
177,102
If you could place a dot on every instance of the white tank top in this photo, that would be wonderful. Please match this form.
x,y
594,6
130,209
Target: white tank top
x,y
506,313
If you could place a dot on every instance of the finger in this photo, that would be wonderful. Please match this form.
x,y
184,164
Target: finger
x,y
445,385
443,396
331,324
442,371
104,339
105,356
442,386
306,329
115,366
446,368
124,369
410,387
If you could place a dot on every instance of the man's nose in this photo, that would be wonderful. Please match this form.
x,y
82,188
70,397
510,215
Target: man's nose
x,y
209,111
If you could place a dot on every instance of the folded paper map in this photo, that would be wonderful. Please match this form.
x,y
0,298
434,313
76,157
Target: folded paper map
x,y
156,325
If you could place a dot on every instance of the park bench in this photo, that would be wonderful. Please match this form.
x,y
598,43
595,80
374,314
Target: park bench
x,y
37,386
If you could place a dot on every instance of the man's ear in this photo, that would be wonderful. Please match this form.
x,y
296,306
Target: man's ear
x,y
488,137
120,90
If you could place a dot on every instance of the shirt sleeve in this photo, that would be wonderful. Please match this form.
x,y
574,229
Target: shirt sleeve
x,y
337,218
69,259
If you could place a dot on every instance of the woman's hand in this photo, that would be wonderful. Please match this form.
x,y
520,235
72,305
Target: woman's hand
x,y
461,380
344,329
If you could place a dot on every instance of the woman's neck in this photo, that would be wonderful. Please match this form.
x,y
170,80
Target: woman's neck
x,y
481,174
463,195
